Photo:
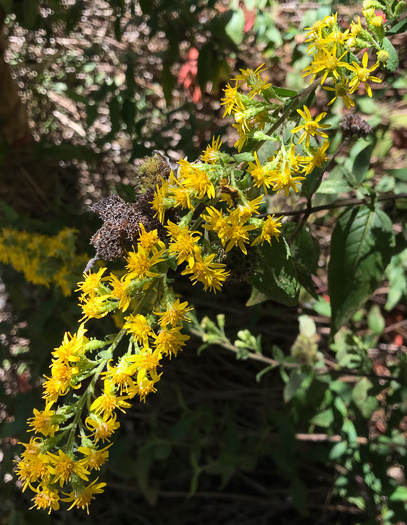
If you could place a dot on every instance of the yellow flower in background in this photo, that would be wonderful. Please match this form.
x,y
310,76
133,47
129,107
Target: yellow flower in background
x,y
363,74
311,127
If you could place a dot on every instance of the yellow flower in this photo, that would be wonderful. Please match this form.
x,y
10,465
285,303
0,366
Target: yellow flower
x,y
121,374
71,348
147,240
230,99
46,498
140,262
161,202
253,80
363,74
102,427
210,274
32,470
179,193
327,61
316,159
120,291
145,385
96,307
91,284
236,233
44,421
94,458
63,467
246,210
269,229
211,154
215,220
170,341
183,241
176,313
196,179
82,497
108,401
262,176
138,327
311,127
341,90
147,360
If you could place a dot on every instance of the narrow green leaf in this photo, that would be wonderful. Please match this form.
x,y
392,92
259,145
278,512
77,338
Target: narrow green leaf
x,y
275,276
114,112
205,65
168,82
282,92
361,249
361,163
400,27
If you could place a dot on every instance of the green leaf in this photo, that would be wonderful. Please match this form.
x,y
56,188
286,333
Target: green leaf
x,y
400,27
333,187
30,13
338,450
393,62
361,163
400,494
324,419
295,381
281,92
91,114
361,248
305,252
235,27
376,321
244,157
275,276
399,173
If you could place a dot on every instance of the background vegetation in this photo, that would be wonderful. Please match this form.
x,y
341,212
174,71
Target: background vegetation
x,y
242,431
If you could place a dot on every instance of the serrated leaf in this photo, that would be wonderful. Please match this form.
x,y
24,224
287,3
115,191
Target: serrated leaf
x,y
393,62
275,275
361,248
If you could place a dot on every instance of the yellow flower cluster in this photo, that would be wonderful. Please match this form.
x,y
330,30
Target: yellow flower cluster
x,y
44,259
333,56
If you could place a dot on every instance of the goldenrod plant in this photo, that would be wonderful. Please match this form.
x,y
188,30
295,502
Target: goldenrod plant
x,y
213,218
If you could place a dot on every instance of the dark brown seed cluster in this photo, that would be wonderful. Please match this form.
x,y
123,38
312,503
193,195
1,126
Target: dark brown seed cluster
x,y
352,124
121,224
